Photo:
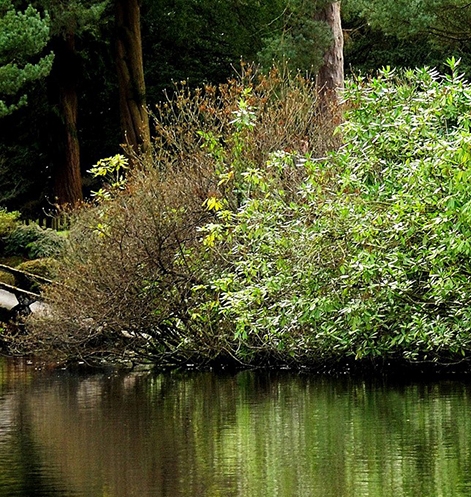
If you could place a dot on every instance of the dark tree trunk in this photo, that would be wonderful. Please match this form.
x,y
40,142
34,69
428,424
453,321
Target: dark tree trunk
x,y
330,78
134,117
68,179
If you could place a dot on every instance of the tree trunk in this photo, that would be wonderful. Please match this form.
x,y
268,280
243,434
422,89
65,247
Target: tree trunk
x,y
68,179
134,117
330,78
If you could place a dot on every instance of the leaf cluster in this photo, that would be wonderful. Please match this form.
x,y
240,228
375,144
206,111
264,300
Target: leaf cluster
x,y
23,36
370,259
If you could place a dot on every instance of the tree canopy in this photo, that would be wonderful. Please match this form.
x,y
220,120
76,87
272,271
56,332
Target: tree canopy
x,y
297,38
23,37
444,20
407,34
78,98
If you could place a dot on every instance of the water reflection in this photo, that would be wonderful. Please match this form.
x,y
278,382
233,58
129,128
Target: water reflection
x,y
248,434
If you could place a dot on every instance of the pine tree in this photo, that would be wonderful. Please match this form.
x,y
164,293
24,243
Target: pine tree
x,y
23,37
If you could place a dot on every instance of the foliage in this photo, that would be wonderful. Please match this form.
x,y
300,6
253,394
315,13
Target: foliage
x,y
7,278
32,241
75,16
111,171
9,221
297,39
32,144
202,41
445,19
371,260
23,36
406,34
234,248
132,261
45,267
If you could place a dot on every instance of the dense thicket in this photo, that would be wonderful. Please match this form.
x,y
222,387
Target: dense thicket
x,y
245,234
240,246
145,243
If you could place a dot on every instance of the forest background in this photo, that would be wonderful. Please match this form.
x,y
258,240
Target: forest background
x,y
66,57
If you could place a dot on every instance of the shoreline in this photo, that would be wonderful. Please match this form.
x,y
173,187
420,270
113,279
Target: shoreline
x,y
390,369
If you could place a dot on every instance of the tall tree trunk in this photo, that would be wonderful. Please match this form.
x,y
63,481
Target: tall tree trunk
x,y
330,78
68,179
134,117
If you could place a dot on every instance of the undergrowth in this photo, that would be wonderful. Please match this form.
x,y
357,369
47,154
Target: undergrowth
x,y
254,239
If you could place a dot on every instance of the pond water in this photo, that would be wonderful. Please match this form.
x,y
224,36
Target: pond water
x,y
246,434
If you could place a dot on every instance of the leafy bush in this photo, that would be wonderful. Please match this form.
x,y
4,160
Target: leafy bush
x,y
236,247
46,267
7,278
32,241
372,257
8,222
126,279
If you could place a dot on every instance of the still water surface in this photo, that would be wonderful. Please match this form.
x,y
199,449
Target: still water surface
x,y
248,434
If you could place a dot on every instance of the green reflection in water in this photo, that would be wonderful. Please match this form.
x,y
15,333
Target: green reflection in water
x,y
250,434
291,435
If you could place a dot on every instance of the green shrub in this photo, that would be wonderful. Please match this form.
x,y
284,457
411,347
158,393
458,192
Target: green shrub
x,y
372,258
46,267
33,242
7,278
236,247
8,222
132,259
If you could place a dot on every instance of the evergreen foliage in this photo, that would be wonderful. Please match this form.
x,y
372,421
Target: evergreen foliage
x,y
406,34
438,19
297,39
23,37
33,242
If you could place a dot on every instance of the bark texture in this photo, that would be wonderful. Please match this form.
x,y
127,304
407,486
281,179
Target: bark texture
x,y
330,78
132,90
67,178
